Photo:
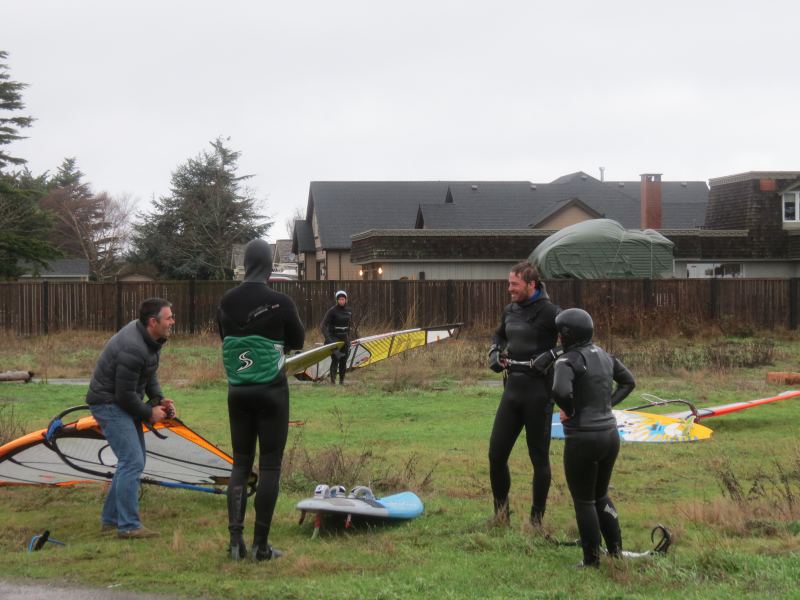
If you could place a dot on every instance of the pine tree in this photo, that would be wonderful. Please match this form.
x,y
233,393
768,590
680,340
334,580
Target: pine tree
x,y
24,227
10,100
85,224
191,232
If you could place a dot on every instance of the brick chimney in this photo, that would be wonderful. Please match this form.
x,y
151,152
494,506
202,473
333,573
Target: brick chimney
x,y
650,198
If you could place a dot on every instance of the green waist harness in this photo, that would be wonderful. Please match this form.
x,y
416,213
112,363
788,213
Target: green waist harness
x,y
252,359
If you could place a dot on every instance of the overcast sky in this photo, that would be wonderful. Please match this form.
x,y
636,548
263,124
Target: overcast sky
x,y
405,90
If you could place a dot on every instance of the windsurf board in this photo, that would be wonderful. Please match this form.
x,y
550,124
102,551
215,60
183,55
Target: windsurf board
x,y
646,427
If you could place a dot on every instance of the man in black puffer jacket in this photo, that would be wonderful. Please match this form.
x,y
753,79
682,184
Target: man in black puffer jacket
x,y
124,373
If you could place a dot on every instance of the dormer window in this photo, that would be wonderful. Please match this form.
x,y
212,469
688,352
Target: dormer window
x,y
791,207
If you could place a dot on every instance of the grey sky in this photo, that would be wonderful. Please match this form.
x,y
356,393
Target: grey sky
x,y
412,90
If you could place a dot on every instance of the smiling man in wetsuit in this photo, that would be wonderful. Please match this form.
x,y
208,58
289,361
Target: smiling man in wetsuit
x,y
527,329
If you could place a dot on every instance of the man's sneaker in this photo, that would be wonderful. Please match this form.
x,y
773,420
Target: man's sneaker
x,y
137,534
108,527
269,553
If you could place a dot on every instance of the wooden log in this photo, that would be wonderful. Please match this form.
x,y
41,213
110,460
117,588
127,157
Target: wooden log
x,y
25,376
783,377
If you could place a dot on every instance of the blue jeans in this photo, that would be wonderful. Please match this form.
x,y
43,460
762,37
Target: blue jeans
x,y
125,436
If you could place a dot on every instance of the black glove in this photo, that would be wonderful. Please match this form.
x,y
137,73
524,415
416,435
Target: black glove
x,y
545,360
494,359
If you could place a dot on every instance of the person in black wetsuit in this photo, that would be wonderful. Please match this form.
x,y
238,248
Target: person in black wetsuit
x,y
527,329
582,386
257,325
335,327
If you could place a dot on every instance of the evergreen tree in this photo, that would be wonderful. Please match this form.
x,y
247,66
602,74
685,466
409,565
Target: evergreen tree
x,y
191,232
10,100
85,224
24,227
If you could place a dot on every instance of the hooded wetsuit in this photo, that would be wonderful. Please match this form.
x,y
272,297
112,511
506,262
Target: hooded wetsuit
x,y
257,325
527,329
582,385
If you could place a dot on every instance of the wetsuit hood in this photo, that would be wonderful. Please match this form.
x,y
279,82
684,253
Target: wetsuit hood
x,y
257,261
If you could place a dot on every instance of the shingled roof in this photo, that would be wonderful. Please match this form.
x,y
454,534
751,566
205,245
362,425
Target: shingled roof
x,y
345,208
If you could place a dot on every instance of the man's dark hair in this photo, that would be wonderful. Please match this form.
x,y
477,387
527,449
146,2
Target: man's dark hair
x,y
151,308
526,271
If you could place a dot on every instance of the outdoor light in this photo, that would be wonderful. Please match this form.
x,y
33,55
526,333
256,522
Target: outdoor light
x,y
361,272
380,270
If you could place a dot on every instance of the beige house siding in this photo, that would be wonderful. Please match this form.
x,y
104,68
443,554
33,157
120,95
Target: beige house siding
x,y
446,270
339,265
568,216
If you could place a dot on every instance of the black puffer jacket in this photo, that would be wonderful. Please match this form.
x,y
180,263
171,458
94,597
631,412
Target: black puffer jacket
x,y
126,371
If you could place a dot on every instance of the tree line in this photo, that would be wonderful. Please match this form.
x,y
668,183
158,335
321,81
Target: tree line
x,y
187,234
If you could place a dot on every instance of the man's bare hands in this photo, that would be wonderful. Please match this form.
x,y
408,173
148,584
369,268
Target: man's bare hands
x,y
169,407
159,414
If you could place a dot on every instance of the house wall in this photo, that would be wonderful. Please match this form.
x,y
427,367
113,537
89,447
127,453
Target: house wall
x,y
753,204
570,216
448,270
768,269
339,265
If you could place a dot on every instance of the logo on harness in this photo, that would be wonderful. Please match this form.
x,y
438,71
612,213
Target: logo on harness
x,y
247,362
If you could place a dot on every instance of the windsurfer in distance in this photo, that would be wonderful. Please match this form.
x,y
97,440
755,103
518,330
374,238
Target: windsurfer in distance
x,y
335,327
527,329
257,326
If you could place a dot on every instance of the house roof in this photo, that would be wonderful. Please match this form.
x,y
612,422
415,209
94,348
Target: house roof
x,y
283,252
62,267
302,237
342,209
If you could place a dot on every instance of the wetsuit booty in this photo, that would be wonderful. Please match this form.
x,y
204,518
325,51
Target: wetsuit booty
x,y
537,514
591,556
265,552
237,505
237,550
502,514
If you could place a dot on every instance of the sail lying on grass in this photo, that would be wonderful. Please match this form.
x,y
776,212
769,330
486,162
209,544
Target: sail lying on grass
x,y
77,452
369,350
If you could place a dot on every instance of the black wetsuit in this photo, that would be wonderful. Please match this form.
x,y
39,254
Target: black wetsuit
x,y
255,321
335,326
527,329
582,387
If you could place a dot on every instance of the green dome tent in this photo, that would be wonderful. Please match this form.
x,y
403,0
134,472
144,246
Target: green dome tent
x,y
604,249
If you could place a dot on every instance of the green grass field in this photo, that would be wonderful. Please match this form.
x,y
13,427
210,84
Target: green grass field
x,y
412,423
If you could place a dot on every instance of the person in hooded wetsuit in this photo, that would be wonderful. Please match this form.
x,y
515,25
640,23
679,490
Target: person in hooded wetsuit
x,y
582,386
526,330
335,327
257,325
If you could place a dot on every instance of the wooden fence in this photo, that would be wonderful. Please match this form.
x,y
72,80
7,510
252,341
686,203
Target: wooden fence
x,y
621,306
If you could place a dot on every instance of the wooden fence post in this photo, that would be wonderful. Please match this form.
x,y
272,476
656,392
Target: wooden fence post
x,y
794,289
45,306
118,320
399,301
713,300
450,302
192,304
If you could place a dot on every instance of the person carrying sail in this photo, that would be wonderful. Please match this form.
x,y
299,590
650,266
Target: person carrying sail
x,y
335,327
527,329
582,386
257,326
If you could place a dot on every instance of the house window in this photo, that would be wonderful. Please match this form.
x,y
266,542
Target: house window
x,y
714,270
791,207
